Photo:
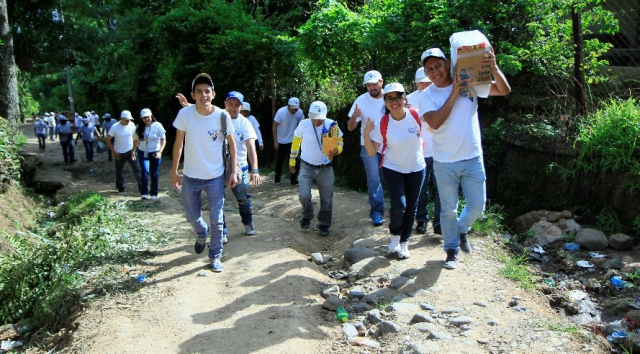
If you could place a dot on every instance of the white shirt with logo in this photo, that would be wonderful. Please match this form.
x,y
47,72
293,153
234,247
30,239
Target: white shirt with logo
x,y
152,138
256,127
203,142
311,136
243,131
371,108
287,123
404,145
123,135
458,138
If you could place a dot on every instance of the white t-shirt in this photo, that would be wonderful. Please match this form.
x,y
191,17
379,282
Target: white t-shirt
x,y
123,135
414,100
153,135
371,108
78,122
51,122
458,138
95,120
312,140
404,145
203,142
287,123
256,127
243,131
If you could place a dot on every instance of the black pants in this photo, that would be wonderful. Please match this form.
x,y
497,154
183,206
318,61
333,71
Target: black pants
x,y
68,150
126,157
284,151
42,138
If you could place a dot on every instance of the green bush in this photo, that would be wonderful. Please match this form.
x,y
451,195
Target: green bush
x,y
40,282
10,158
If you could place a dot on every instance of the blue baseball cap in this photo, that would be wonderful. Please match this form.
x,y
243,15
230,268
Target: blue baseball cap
x,y
235,94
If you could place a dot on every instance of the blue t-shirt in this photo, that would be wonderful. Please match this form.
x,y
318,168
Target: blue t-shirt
x,y
87,132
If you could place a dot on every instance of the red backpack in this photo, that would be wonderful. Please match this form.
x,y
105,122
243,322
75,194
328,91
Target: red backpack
x,y
384,125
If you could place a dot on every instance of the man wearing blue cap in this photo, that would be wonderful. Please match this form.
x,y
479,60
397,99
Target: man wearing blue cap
x,y
285,122
452,112
65,135
245,137
199,130
106,126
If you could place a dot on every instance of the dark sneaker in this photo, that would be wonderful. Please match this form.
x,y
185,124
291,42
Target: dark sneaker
x,y
323,230
216,265
201,243
305,224
121,190
377,221
465,246
437,230
421,228
452,260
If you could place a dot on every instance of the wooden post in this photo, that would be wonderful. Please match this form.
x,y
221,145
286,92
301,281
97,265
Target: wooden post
x,y
579,83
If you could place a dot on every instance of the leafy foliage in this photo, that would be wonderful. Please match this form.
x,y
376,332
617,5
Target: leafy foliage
x,y
10,158
40,283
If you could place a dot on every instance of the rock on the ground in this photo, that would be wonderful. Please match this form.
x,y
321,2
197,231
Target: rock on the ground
x,y
331,291
361,307
545,233
452,310
387,327
427,306
356,293
403,307
349,330
461,320
621,242
569,226
591,239
364,243
365,267
424,327
554,216
612,264
413,347
400,281
421,317
439,336
523,222
317,258
332,303
356,254
374,316
630,267
8,332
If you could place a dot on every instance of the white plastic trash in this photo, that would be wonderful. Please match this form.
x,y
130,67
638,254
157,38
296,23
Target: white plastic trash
x,y
584,264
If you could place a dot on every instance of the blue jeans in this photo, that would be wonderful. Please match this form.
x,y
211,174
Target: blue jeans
x,y
404,190
88,149
150,167
374,183
450,177
324,178
192,197
241,192
422,214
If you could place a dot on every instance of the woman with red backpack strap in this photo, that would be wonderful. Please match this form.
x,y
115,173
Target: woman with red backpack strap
x,y
402,164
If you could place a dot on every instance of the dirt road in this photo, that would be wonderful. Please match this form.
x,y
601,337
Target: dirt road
x,y
268,299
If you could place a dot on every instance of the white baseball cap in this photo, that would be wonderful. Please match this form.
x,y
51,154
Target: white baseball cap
x,y
246,106
393,87
126,114
145,113
294,102
421,76
432,52
371,77
318,110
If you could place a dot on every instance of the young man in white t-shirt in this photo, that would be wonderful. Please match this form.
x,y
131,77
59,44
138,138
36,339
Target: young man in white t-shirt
x,y
246,109
285,122
422,214
369,106
122,141
199,131
452,112
245,138
316,164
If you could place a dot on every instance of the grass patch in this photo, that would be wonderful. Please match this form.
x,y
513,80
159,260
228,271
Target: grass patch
x,y
516,269
569,328
41,283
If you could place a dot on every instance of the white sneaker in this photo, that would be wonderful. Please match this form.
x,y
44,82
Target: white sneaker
x,y
154,197
394,244
144,196
249,230
404,250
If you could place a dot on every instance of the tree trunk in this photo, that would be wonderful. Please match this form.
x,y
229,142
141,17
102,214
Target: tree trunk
x,y
9,106
579,83
272,80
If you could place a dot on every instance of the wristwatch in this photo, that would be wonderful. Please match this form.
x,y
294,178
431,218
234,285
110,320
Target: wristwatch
x,y
255,170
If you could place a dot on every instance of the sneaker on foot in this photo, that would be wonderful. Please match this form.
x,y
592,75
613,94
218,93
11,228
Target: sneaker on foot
x,y
394,244
465,246
437,230
144,196
323,230
305,224
452,260
121,191
216,265
377,221
154,197
404,250
421,227
249,229
225,240
201,242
